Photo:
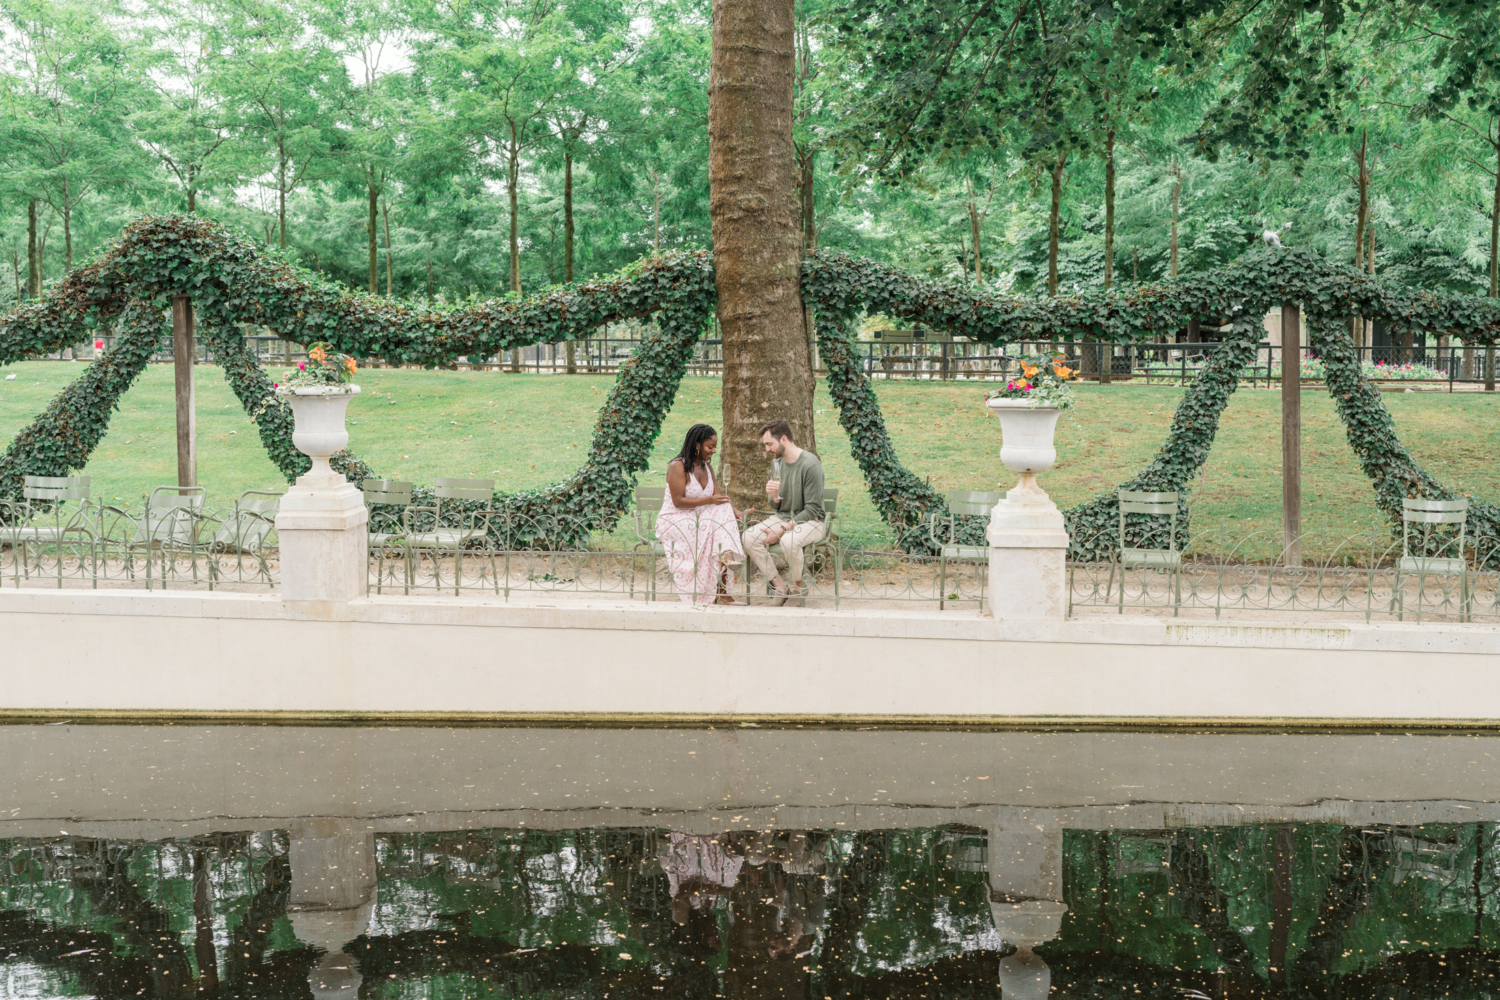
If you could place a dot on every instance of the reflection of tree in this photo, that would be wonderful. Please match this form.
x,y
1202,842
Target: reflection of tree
x,y
760,967
857,881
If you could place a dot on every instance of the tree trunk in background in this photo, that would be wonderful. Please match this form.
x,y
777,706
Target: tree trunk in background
x,y
1054,217
67,214
385,217
568,216
512,178
1195,331
1489,352
809,216
33,256
204,952
752,174
1106,352
1369,334
1356,327
1176,205
371,230
656,211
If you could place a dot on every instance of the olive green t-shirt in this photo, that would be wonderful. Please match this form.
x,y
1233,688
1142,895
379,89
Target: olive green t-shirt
x,y
802,489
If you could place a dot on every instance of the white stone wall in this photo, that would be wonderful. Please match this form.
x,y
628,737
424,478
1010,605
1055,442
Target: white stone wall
x,y
83,652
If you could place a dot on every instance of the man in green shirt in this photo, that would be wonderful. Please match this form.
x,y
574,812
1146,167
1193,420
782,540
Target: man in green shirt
x,y
797,502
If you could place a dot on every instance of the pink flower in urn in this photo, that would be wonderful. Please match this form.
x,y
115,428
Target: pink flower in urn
x,y
302,366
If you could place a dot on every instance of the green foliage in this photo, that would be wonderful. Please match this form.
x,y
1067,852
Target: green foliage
x,y
233,282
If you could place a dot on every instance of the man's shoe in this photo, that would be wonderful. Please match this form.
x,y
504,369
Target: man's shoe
x,y
777,598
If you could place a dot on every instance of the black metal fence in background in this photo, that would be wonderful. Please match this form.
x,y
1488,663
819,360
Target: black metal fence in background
x,y
921,355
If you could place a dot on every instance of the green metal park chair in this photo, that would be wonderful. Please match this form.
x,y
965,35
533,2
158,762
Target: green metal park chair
x,y
386,526
648,501
820,551
244,532
943,530
1167,560
470,534
53,510
1427,515
167,527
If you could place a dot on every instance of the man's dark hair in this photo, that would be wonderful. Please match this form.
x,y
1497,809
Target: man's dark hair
x,y
778,429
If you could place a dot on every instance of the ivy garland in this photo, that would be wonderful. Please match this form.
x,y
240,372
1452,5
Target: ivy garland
x,y
233,281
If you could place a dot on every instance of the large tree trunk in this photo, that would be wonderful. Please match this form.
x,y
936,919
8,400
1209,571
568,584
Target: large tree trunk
x,y
1054,223
568,216
33,254
752,175
370,231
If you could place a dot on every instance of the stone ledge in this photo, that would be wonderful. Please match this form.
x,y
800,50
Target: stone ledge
x,y
889,622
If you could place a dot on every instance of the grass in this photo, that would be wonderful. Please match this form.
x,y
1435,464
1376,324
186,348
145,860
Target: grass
x,y
530,430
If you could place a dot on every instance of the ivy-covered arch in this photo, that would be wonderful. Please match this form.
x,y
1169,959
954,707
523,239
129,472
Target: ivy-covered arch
x,y
233,281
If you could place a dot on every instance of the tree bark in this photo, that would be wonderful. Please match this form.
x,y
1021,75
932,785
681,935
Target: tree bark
x,y
568,216
809,216
370,232
385,215
1109,209
1176,205
281,191
33,255
1356,327
1054,217
67,230
757,244
512,178
1489,351
655,211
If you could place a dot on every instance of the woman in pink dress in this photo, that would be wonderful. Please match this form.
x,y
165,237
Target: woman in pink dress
x,y
697,526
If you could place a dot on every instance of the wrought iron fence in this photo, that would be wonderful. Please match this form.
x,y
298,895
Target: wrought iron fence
x,y
1370,576
163,542
699,562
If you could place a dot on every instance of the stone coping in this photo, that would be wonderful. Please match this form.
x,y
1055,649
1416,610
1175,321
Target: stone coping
x,y
884,622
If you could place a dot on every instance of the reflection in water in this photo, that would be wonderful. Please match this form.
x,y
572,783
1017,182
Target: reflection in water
x,y
1257,911
1115,865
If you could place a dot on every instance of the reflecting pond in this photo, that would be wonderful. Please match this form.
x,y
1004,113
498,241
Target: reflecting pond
x,y
265,861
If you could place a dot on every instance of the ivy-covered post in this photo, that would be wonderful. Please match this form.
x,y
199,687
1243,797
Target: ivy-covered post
x,y
1291,433
183,347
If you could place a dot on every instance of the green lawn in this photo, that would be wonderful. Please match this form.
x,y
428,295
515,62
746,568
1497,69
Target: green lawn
x,y
529,430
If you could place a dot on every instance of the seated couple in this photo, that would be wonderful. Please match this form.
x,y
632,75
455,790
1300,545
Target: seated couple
x,y
700,529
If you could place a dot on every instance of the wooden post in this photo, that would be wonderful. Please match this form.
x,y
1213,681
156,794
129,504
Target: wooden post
x,y
182,364
1291,433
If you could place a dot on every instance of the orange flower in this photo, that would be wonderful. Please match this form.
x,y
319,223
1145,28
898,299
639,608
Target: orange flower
x,y
1061,370
318,354
1030,370
1021,383
349,364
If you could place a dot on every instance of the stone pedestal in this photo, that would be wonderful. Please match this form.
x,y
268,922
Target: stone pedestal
x,y
1028,555
324,545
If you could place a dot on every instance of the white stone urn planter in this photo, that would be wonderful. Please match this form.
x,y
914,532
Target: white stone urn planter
x,y
1026,437
319,412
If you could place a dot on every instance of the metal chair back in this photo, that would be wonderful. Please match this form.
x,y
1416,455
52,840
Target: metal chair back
x,y
171,514
1153,504
967,503
253,518
648,501
1415,510
463,489
55,488
397,492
